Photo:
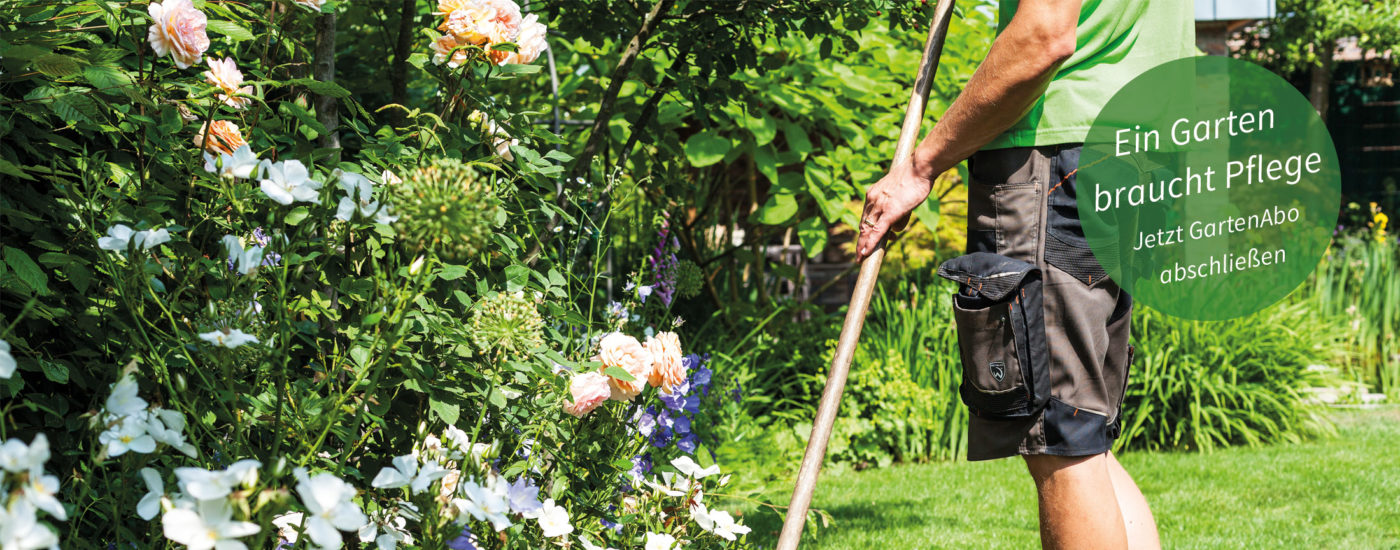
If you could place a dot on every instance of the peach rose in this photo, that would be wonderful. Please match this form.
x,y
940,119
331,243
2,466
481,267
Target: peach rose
x,y
444,47
468,21
226,136
529,44
666,367
225,75
589,390
625,352
178,29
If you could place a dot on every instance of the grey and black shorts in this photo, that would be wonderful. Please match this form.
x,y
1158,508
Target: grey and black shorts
x,y
1043,331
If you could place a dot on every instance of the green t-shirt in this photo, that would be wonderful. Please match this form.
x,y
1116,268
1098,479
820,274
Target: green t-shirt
x,y
1116,40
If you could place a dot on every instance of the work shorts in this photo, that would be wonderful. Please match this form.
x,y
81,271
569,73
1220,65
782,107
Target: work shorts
x,y
1042,330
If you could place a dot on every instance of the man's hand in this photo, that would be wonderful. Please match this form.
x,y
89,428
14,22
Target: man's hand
x,y
889,202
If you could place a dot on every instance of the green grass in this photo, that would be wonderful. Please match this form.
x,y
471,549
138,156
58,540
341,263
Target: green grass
x,y
1339,492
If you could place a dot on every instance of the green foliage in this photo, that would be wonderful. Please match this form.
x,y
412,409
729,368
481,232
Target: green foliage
x,y
301,328
1358,282
1201,385
1295,38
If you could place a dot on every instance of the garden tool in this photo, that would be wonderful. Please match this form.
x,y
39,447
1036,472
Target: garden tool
x,y
860,298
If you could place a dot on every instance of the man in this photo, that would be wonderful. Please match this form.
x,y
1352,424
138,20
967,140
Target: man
x,y
1052,67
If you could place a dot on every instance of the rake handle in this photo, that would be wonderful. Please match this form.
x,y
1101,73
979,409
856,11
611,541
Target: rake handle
x,y
860,298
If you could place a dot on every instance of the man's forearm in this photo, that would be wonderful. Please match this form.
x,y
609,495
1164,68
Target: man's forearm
x,y
1021,63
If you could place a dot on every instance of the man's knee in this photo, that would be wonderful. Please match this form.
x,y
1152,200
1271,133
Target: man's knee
x,y
1045,467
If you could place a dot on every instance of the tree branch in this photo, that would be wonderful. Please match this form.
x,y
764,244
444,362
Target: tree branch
x,y
598,132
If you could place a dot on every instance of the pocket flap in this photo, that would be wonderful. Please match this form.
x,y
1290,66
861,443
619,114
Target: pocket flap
x,y
991,275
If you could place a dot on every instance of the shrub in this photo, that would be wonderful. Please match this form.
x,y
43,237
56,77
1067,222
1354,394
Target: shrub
x,y
222,328
1357,280
1199,385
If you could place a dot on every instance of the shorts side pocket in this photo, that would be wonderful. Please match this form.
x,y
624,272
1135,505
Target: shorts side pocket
x,y
1001,334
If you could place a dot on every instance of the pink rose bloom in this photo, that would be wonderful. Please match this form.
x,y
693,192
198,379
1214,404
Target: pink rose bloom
x,y
589,390
178,29
225,75
504,23
529,44
666,367
625,352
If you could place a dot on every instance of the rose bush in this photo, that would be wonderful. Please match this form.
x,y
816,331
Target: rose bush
x,y
223,330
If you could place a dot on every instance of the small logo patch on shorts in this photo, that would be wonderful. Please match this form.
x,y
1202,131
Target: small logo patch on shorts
x,y
998,369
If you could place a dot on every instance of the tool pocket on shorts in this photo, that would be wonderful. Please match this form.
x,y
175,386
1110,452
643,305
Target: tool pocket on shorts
x,y
1001,334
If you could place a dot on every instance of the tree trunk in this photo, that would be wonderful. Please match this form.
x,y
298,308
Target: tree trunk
x,y
1320,87
327,112
399,76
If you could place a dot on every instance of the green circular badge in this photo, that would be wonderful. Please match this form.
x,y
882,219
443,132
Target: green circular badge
x,y
1208,188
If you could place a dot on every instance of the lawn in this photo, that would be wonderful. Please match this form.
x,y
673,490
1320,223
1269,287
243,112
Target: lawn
x,y
1338,492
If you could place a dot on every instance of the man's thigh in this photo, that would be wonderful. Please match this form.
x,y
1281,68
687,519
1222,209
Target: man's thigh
x,y
1021,204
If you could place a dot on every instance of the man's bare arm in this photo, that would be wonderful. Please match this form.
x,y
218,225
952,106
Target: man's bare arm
x,y
1021,63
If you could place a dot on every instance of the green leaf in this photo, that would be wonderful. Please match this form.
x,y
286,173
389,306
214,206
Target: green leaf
x,y
767,163
796,137
516,277
927,214
448,412
233,31
811,232
7,167
451,272
623,464
322,88
418,59
27,271
779,209
107,78
618,373
56,372
302,115
497,398
57,65
705,148
297,215
763,128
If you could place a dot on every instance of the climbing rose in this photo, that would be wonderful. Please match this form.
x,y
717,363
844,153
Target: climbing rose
x,y
443,47
227,137
225,75
589,390
178,29
529,44
626,353
667,369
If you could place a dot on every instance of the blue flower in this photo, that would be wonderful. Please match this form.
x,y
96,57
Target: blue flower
x,y
689,443
661,438
674,401
681,424
646,422
641,465
524,496
692,404
464,541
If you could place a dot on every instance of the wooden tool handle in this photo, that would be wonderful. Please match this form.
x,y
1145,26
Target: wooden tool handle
x,y
860,299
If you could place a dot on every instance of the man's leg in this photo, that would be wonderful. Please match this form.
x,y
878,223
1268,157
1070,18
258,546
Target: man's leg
x,y
1137,517
1078,507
